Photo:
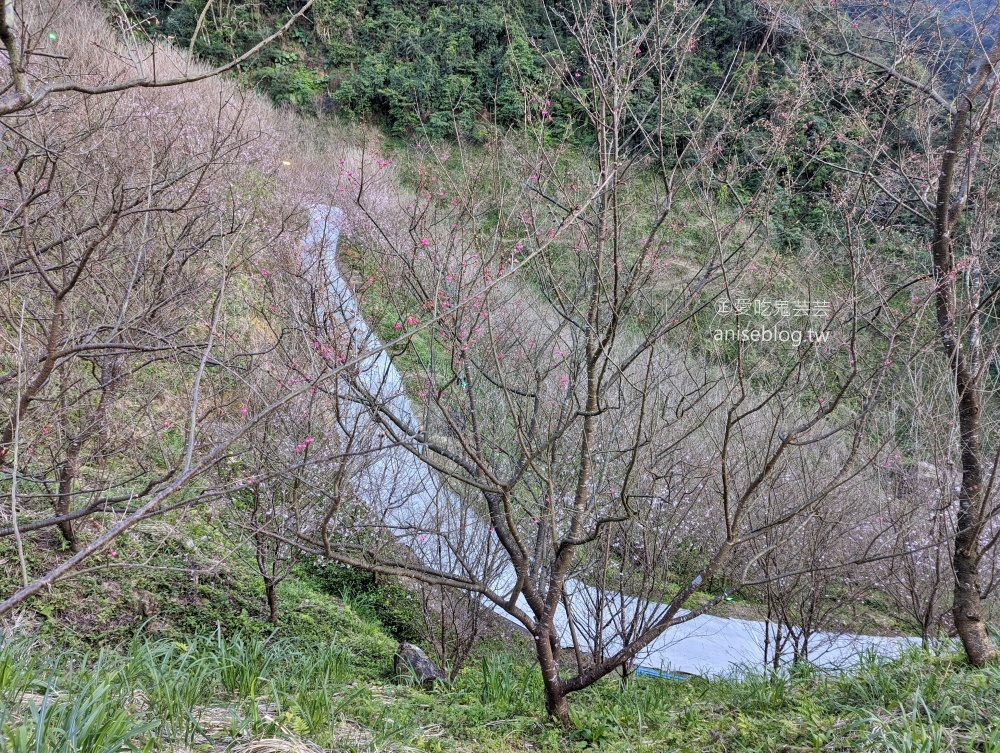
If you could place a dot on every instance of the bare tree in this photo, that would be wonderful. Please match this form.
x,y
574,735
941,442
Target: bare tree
x,y
34,70
153,272
455,621
811,590
590,421
924,150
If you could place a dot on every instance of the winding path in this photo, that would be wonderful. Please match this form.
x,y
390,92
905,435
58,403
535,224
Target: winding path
x,y
426,517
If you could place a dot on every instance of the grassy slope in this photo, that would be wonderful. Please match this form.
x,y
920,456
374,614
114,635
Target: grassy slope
x,y
186,576
198,662
210,674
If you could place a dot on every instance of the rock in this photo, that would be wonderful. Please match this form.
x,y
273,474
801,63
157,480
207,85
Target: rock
x,y
410,661
147,604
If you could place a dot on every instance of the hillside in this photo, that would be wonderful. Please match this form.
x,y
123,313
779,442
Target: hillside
x,y
526,333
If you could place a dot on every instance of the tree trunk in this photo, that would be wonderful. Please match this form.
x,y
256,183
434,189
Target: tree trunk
x,y
967,604
967,607
556,705
967,610
272,601
547,650
67,473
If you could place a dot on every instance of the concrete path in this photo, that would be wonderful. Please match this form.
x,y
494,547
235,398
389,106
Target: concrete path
x,y
429,519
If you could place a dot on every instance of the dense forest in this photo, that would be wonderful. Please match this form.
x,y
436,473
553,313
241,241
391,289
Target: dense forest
x,y
427,68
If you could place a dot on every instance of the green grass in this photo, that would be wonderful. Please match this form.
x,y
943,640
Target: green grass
x,y
103,607
215,691
206,672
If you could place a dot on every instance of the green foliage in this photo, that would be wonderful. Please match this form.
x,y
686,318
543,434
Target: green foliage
x,y
427,67
509,683
90,719
388,603
18,668
415,66
218,690
287,80
175,677
312,685
240,663
424,62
